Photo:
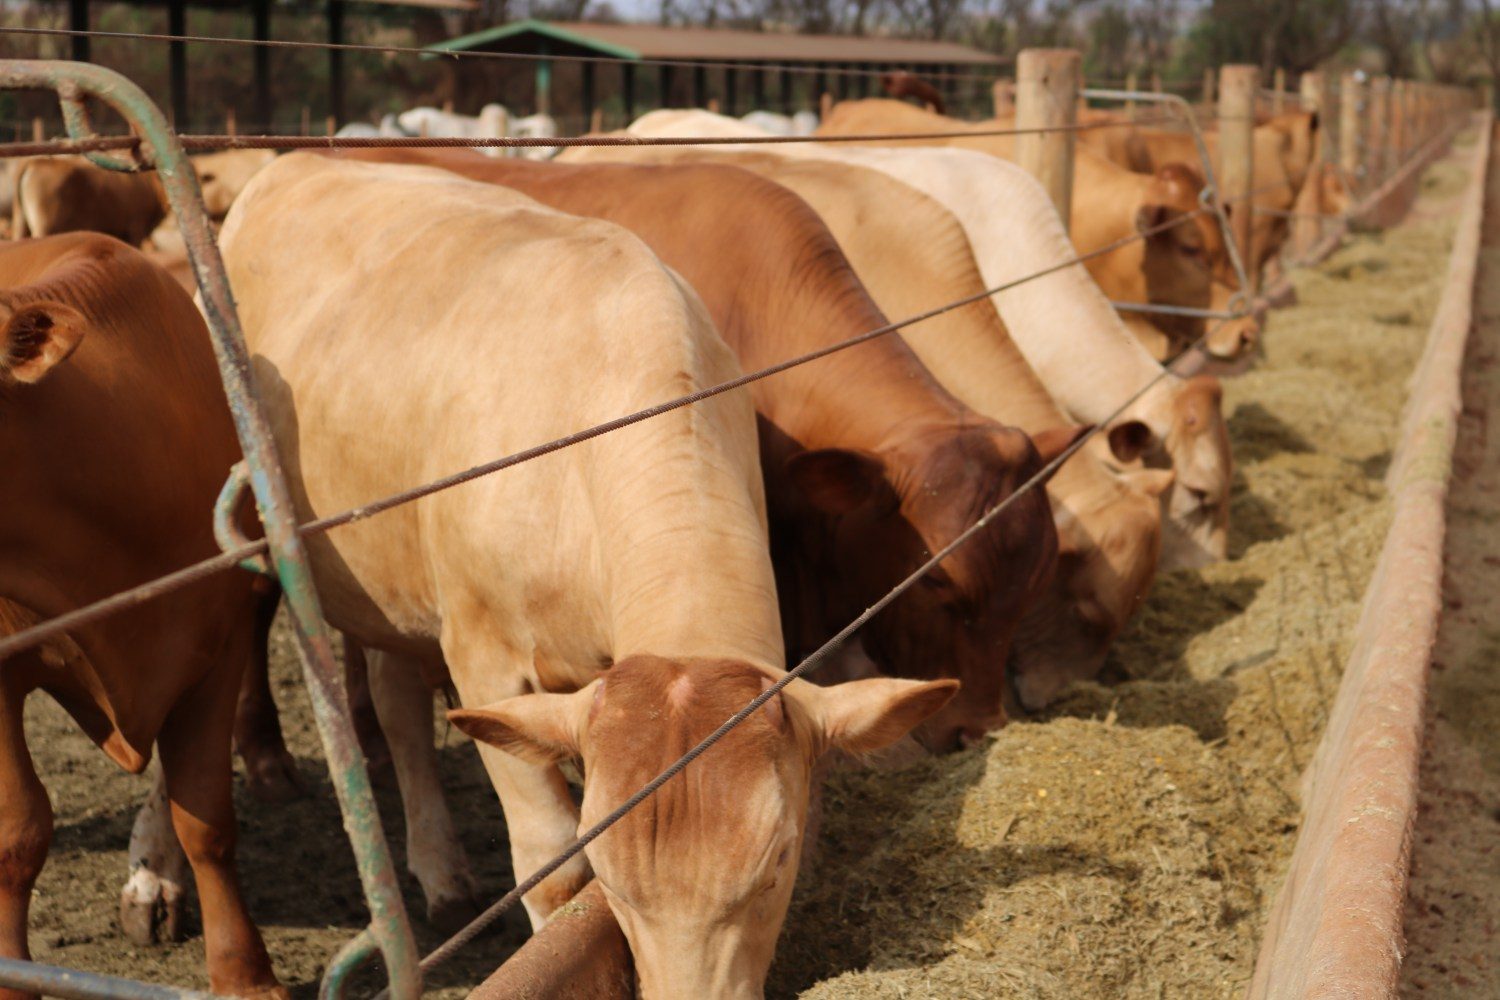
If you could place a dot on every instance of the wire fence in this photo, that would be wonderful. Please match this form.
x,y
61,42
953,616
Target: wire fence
x,y
212,143
96,611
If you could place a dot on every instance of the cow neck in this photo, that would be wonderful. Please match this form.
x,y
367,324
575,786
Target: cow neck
x,y
682,546
871,397
1061,322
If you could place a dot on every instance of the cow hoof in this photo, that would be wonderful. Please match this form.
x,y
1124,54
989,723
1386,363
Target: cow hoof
x,y
453,914
273,777
151,908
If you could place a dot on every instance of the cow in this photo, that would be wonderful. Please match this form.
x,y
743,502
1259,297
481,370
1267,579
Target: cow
x,y
116,439
771,123
1174,265
613,601
223,175
493,122
67,194
913,256
1015,234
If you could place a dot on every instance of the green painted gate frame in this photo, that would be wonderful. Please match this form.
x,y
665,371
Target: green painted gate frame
x,y
389,932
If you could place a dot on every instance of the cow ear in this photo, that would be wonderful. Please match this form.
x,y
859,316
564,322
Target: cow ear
x,y
837,480
1053,441
540,728
861,717
1129,439
1149,216
37,337
1152,482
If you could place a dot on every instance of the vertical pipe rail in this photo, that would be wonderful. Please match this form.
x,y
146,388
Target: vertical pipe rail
x,y
261,30
336,59
177,57
74,83
1238,88
1046,97
78,20
1352,129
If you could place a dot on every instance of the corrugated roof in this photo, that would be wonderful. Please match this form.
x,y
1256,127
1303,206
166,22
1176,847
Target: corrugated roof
x,y
649,41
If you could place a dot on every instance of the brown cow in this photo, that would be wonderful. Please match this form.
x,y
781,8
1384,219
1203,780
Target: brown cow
x,y
68,194
913,256
870,464
115,440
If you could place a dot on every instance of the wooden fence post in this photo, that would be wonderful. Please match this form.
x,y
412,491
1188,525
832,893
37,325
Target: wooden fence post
x,y
1278,91
1208,88
1352,126
1396,132
1238,87
38,130
1130,84
1047,96
1317,98
1377,134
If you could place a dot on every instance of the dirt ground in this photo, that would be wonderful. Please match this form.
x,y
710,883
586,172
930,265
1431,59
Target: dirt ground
x,y
1127,845
1453,907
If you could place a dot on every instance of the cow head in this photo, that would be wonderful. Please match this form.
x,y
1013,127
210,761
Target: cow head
x,y
1109,540
700,874
885,514
1230,339
1179,261
35,337
1197,442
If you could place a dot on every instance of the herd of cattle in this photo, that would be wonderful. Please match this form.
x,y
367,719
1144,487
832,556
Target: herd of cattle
x,y
415,312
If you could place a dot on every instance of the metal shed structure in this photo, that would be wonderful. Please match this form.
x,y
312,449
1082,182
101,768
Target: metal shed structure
x,y
260,10
755,56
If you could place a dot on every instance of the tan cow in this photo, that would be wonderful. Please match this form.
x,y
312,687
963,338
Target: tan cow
x,y
613,601
115,441
223,175
66,194
1174,266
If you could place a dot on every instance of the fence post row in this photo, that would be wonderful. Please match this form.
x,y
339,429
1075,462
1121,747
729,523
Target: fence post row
x,y
1047,96
1238,87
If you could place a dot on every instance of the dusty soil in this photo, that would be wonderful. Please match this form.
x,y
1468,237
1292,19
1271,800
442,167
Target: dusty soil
x,y
1125,846
1453,908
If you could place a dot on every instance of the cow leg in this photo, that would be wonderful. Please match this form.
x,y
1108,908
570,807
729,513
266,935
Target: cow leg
x,y
196,759
270,769
542,819
362,709
154,897
403,702
25,833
